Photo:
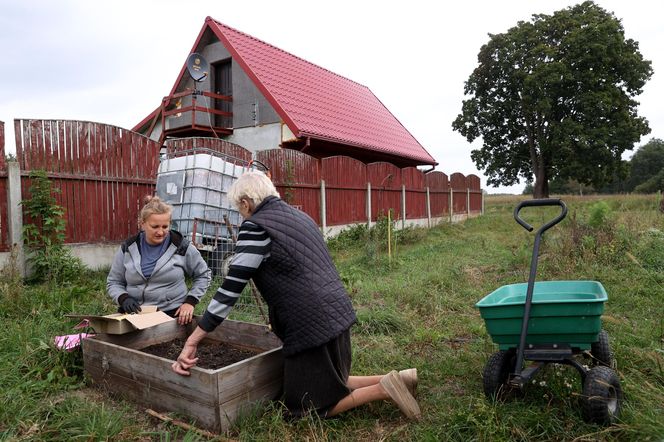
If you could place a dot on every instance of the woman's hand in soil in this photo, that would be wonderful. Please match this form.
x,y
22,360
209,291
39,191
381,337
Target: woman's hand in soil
x,y
185,313
186,360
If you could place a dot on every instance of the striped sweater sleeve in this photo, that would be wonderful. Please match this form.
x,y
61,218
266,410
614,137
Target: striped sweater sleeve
x,y
252,248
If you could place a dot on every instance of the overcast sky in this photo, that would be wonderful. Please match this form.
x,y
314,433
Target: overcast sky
x,y
112,62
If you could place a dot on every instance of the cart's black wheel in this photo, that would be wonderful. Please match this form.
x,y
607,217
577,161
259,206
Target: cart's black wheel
x,y
602,396
496,373
601,350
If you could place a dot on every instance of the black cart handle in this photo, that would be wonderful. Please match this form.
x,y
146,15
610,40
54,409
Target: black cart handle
x,y
541,202
517,376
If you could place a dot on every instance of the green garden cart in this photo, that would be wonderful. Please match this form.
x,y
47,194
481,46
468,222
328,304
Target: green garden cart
x,y
551,322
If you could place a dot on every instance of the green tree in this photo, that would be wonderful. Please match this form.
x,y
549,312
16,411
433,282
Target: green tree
x,y
554,97
617,183
569,187
653,184
647,166
558,186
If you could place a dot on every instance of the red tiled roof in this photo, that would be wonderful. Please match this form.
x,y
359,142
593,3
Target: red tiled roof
x,y
313,101
317,103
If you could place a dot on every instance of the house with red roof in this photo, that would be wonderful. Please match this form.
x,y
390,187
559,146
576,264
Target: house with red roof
x,y
261,97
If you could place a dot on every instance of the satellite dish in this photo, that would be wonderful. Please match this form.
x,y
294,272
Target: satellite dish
x,y
197,66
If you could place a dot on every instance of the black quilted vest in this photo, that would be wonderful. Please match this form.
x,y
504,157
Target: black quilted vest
x,y
308,303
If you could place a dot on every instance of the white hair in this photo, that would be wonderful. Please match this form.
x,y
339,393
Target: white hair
x,y
253,185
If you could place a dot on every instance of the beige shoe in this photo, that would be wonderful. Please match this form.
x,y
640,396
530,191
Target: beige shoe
x,y
400,395
409,377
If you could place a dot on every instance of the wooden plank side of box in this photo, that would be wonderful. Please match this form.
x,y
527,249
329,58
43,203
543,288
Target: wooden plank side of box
x,y
146,367
249,374
116,363
230,410
111,366
245,333
151,395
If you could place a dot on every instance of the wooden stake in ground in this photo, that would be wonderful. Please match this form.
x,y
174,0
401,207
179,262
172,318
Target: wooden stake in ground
x,y
186,426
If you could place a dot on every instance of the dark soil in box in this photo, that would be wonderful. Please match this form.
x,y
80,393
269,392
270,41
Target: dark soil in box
x,y
211,355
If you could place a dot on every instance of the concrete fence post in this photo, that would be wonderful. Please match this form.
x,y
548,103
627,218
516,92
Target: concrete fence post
x,y
451,204
369,205
15,214
323,208
403,206
467,202
482,201
428,208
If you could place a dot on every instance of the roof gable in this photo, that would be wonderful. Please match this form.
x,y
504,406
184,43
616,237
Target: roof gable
x,y
315,102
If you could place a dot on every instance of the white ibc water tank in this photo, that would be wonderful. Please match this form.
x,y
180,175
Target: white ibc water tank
x,y
196,185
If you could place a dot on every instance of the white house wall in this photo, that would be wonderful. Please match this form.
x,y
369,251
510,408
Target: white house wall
x,y
257,138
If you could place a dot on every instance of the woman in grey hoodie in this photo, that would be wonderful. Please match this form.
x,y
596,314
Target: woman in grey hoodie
x,y
150,267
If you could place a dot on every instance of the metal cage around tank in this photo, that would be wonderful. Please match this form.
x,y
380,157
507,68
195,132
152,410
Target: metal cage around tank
x,y
196,183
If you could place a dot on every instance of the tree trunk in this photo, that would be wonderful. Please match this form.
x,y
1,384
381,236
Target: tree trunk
x,y
541,187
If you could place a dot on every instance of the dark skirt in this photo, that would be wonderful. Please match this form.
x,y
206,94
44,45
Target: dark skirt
x,y
315,379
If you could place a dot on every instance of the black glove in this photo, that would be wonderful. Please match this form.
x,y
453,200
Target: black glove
x,y
130,305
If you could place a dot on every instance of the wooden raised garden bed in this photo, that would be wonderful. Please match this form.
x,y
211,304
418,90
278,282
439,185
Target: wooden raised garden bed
x,y
213,397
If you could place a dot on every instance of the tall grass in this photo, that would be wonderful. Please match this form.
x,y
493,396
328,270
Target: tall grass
x,y
416,309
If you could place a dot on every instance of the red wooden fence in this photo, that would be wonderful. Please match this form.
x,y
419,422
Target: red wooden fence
x,y
345,189
4,219
475,194
416,195
102,172
459,192
298,177
439,193
385,179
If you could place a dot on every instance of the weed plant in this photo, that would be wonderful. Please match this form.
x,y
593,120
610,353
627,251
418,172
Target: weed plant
x,y
44,234
414,310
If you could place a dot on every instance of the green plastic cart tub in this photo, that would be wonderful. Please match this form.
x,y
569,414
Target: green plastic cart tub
x,y
562,312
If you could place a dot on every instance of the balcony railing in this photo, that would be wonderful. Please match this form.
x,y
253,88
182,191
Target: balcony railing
x,y
193,118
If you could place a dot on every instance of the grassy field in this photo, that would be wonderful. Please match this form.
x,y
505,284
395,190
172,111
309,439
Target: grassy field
x,y
415,310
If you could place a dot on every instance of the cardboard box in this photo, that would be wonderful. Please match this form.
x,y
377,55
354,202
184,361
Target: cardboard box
x,y
121,323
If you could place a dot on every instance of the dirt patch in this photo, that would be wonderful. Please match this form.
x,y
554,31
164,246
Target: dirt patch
x,y
211,355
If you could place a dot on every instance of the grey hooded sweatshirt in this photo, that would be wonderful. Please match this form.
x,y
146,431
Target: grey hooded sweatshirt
x,y
166,287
